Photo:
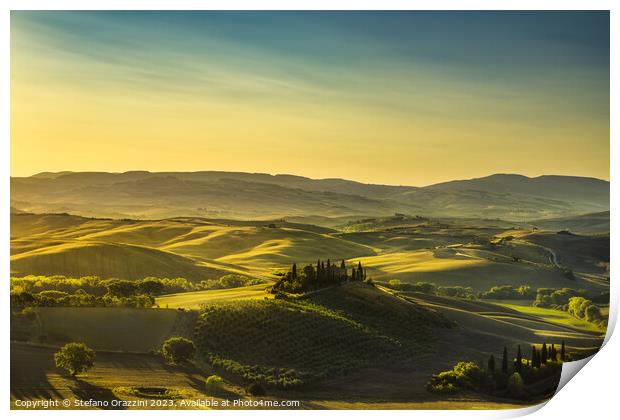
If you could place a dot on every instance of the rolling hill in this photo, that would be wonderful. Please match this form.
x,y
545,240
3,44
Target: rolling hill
x,y
476,253
144,195
588,224
193,248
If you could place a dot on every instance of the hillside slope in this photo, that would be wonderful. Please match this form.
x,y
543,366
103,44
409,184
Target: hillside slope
x,y
290,343
193,248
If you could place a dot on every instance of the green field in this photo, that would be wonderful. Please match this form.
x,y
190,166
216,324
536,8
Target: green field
x,y
194,300
553,315
118,329
509,323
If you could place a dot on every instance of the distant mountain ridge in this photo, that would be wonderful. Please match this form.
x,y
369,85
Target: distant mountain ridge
x,y
141,194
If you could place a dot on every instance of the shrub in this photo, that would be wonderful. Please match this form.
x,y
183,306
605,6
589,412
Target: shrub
x,y
256,389
515,387
178,350
466,375
214,383
75,358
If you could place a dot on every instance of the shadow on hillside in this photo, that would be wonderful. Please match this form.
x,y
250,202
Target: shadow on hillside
x,y
30,366
86,391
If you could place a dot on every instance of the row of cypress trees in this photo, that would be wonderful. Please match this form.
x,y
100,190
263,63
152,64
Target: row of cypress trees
x,y
538,357
325,274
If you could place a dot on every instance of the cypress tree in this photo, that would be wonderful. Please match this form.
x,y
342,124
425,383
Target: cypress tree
x,y
533,359
491,364
343,270
359,270
353,274
519,360
554,353
294,271
563,352
544,355
505,360
329,269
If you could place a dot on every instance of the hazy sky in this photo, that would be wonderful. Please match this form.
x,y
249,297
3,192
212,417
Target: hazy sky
x,y
385,97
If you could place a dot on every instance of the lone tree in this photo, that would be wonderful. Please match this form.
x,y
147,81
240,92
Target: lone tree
x,y
535,358
553,353
519,361
505,360
491,364
178,350
75,358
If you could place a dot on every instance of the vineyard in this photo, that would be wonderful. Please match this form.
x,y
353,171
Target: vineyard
x,y
290,343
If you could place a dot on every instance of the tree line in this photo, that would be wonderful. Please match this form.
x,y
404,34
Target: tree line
x,y
510,379
538,357
91,291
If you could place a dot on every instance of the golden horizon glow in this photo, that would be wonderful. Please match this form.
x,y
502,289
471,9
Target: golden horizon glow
x,y
228,104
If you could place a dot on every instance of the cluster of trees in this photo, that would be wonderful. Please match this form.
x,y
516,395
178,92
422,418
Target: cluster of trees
x,y
119,293
583,308
92,291
538,358
502,380
313,278
430,289
573,302
555,298
508,292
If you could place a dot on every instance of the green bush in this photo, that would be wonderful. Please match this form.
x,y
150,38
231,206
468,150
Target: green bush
x,y
515,387
465,375
178,350
75,358
214,383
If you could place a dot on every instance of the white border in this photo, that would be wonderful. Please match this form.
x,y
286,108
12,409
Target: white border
x,y
592,395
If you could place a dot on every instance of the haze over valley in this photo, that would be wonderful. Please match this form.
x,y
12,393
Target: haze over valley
x,y
152,195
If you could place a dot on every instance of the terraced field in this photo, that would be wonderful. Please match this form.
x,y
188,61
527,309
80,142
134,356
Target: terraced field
x,y
288,343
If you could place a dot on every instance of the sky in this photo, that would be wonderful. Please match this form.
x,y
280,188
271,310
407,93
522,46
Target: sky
x,y
403,98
